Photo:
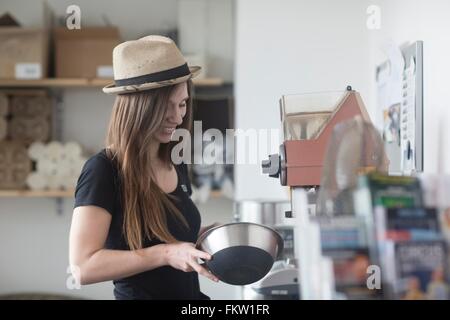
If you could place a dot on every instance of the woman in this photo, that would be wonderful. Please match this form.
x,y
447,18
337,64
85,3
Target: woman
x,y
134,222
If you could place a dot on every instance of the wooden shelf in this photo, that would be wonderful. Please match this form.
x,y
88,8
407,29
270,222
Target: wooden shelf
x,y
53,83
36,194
80,83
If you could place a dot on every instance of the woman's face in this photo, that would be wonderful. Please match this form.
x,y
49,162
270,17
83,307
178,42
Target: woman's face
x,y
176,110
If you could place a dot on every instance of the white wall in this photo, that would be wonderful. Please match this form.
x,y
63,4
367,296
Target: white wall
x,y
135,18
207,28
406,21
293,46
33,238
34,249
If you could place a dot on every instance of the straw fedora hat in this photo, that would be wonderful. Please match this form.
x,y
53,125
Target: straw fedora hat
x,y
147,63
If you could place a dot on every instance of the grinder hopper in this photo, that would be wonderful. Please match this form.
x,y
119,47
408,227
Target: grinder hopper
x,y
308,122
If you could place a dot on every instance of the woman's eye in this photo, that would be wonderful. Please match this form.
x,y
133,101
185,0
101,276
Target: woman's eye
x,y
183,105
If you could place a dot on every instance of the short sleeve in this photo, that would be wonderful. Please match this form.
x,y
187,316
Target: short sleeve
x,y
96,184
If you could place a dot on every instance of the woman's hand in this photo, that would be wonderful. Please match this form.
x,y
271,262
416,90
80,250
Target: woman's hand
x,y
183,256
206,228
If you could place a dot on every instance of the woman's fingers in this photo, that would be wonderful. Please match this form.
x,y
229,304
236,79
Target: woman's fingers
x,y
201,270
201,254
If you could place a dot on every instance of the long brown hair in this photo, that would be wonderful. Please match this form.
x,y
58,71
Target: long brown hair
x,y
134,120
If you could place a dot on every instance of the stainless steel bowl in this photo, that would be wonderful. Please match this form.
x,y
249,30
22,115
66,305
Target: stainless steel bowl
x,y
242,252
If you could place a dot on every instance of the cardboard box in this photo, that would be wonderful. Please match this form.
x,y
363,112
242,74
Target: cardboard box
x,y
85,53
23,53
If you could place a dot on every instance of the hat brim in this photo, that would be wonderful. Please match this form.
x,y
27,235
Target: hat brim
x,y
112,89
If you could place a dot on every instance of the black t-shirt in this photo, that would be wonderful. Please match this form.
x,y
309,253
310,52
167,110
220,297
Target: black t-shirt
x,y
99,185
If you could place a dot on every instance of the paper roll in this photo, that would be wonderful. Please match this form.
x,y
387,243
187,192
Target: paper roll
x,y
47,167
14,164
29,129
19,105
64,168
19,157
3,105
6,179
3,174
3,128
54,151
63,157
40,106
36,181
3,154
37,151
57,164
30,106
72,150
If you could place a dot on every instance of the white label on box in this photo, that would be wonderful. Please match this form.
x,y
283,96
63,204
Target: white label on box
x,y
28,71
105,72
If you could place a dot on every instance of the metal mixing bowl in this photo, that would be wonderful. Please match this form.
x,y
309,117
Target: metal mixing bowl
x,y
242,252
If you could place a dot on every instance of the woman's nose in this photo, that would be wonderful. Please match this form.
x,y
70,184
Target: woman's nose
x,y
175,115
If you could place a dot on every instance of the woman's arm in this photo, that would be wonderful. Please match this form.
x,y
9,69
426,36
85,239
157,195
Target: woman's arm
x,y
92,263
89,229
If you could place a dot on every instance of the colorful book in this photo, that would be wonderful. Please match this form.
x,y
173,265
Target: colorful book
x,y
407,224
415,270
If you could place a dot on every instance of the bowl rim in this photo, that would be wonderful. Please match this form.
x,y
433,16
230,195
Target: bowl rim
x,y
205,234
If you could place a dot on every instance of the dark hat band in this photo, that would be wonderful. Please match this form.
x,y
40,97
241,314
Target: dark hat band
x,y
169,74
